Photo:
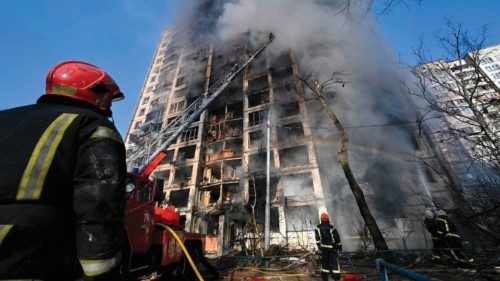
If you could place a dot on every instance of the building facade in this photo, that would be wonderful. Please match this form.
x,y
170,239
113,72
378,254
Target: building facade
x,y
215,172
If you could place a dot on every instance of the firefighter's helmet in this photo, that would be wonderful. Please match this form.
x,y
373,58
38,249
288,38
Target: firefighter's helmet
x,y
83,81
324,217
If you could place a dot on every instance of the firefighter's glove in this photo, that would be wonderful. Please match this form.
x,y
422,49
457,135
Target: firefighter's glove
x,y
339,248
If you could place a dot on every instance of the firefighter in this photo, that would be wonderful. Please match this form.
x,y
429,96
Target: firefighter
x,y
328,242
452,242
437,241
62,178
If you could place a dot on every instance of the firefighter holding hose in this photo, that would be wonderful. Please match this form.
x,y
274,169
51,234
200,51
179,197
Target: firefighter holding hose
x,y
328,242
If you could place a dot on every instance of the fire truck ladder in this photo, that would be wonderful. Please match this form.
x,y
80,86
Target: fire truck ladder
x,y
169,134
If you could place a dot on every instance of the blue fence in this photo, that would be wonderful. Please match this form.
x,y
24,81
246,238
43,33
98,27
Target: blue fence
x,y
383,266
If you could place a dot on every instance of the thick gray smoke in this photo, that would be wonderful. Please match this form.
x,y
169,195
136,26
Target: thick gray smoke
x,y
326,41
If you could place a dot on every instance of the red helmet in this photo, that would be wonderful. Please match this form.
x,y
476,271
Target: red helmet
x,y
324,217
82,81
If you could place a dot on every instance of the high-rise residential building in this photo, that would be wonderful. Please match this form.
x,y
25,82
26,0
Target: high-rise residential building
x,y
490,63
213,170
464,97
215,173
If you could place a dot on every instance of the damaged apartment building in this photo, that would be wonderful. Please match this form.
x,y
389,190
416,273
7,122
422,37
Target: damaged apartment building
x,y
215,172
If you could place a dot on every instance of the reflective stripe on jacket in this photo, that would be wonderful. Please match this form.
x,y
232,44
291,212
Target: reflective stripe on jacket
x,y
327,236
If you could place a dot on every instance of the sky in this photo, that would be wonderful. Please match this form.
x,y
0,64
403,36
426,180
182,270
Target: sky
x,y
120,36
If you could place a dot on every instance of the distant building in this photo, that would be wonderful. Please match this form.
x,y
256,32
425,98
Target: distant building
x,y
465,97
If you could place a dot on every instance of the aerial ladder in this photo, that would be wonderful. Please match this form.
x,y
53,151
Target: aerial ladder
x,y
152,231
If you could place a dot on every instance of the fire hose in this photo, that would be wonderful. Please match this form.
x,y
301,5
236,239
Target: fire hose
x,y
186,253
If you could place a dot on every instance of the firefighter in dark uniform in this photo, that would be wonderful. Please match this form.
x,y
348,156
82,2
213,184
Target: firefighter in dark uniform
x,y
437,241
452,242
62,192
328,242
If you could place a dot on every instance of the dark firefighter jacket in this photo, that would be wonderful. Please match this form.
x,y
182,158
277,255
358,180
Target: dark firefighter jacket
x,y
445,228
431,226
62,197
327,237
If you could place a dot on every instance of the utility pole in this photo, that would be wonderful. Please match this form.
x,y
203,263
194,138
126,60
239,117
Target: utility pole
x,y
267,222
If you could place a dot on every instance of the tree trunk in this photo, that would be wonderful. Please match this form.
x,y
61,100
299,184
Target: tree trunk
x,y
342,154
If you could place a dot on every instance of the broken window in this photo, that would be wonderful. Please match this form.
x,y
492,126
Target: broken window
x,y
169,157
163,174
156,127
258,98
142,111
297,184
258,84
294,156
281,61
178,106
301,218
256,117
190,134
255,139
290,132
180,81
187,152
179,198
279,76
257,162
288,110
212,224
183,175
145,100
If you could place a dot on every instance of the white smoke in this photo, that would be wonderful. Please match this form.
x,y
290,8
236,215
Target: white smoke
x,y
327,40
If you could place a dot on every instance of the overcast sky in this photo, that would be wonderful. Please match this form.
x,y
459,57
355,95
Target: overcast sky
x,y
121,36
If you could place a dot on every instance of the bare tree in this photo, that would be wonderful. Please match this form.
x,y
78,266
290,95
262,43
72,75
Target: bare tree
x,y
459,111
359,228
342,155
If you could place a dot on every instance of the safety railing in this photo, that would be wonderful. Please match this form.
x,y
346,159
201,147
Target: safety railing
x,y
383,266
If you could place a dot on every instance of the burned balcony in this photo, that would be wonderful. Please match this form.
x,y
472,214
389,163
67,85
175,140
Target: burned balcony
x,y
224,150
225,129
286,93
257,162
179,198
282,74
281,61
155,114
257,67
290,132
294,156
186,153
209,195
257,84
288,109
224,171
169,158
258,98
256,140
257,117
297,185
182,175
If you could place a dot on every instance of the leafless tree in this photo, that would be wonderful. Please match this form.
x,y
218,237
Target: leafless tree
x,y
359,228
459,112
320,91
